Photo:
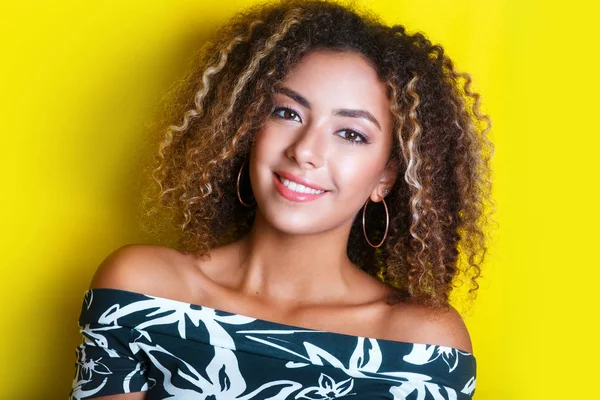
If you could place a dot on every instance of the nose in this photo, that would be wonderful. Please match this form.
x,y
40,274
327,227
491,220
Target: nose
x,y
308,147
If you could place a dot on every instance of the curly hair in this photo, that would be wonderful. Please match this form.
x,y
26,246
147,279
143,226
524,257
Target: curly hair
x,y
438,211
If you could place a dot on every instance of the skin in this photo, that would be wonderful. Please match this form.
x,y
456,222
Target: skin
x,y
292,267
315,144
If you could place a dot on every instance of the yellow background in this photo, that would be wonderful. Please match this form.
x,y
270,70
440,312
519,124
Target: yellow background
x,y
78,83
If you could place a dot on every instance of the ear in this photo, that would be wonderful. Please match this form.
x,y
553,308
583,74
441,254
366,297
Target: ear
x,y
386,181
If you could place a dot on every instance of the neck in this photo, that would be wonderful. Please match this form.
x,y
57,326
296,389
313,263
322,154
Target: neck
x,y
295,269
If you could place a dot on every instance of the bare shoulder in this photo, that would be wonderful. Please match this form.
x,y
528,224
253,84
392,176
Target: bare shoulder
x,y
421,324
142,268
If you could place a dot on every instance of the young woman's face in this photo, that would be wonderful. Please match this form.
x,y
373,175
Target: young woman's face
x,y
330,129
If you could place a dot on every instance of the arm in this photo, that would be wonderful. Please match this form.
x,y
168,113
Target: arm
x,y
421,324
451,361
104,359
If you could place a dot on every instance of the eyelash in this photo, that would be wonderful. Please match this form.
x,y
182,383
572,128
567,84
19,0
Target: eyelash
x,y
364,139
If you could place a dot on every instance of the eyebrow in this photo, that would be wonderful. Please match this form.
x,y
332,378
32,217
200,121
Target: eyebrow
x,y
344,112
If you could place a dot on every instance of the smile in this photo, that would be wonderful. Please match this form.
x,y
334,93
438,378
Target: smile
x,y
297,187
295,191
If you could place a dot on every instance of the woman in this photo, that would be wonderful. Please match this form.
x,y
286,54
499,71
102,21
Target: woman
x,y
324,169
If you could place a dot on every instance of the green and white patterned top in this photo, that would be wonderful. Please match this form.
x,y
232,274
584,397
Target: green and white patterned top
x,y
170,349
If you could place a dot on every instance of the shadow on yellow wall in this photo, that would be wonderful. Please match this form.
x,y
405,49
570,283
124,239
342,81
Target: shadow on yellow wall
x,y
82,84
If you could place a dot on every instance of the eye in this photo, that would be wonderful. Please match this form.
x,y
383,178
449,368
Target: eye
x,y
353,136
287,113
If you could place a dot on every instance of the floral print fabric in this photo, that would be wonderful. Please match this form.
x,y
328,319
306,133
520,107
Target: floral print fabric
x,y
174,350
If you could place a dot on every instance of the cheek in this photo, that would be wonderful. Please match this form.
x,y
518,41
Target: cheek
x,y
354,175
268,145
264,157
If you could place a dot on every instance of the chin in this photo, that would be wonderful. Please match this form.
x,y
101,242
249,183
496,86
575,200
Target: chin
x,y
294,223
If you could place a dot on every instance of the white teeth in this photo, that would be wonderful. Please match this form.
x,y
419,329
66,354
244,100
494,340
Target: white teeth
x,y
296,187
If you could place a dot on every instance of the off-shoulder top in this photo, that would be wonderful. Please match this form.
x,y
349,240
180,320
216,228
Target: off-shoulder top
x,y
170,349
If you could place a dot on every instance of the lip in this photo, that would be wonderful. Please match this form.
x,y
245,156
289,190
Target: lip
x,y
286,193
297,179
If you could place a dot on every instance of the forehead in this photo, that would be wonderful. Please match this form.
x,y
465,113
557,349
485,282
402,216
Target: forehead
x,y
339,80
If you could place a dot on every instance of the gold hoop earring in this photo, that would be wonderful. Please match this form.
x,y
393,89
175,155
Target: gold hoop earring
x,y
387,223
238,187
